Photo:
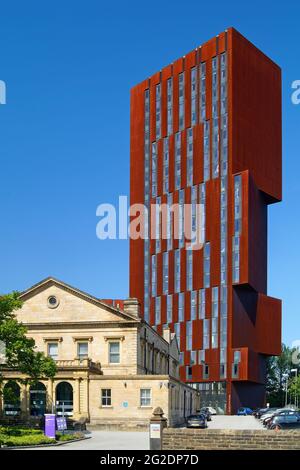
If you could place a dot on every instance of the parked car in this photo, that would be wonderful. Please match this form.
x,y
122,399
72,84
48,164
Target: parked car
x,y
211,410
206,412
267,417
244,411
196,421
259,412
285,419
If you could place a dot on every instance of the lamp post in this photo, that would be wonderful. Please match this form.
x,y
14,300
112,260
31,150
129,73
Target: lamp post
x,y
286,376
296,375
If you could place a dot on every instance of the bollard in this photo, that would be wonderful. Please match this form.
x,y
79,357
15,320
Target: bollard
x,y
157,424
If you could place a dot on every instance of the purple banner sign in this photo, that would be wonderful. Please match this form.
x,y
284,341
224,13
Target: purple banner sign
x,y
61,424
50,425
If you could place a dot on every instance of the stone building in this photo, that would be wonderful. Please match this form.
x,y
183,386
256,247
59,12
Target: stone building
x,y
112,368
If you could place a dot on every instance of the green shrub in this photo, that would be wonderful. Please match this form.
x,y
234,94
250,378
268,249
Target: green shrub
x,y
69,437
25,440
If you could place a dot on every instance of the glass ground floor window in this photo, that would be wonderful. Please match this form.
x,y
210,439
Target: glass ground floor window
x,y
212,394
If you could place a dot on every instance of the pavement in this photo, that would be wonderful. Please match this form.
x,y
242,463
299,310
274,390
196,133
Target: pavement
x,y
234,422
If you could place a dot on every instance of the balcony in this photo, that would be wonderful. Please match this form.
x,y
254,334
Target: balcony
x,y
79,364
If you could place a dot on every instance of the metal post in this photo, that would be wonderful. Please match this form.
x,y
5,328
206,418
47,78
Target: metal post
x,y
157,424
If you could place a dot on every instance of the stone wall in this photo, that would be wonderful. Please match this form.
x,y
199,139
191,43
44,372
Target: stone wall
x,y
215,439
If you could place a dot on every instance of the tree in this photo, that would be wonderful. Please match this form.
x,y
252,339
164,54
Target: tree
x,y
20,352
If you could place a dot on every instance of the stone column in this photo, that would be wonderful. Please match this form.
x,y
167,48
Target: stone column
x,y
50,398
24,398
76,398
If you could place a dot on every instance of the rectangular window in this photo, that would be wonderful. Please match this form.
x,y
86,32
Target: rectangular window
x,y
82,350
206,270
181,358
166,166
201,356
177,160
165,272
214,333
189,373
194,305
158,111
189,157
53,351
170,105
189,335
193,357
106,397
215,302
145,397
206,371
177,270
169,222
169,309
194,215
177,333
202,201
202,104
181,218
206,333
154,169
189,269
181,306
201,304
181,100
157,224
235,370
157,311
194,96
206,150
237,228
153,270
114,352
147,201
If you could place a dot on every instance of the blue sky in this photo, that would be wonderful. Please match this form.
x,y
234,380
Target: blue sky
x,y
64,132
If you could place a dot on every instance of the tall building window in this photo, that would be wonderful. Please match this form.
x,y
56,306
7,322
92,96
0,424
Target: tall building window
x,y
201,356
202,103
202,201
215,114
194,215
153,271
181,100
177,333
166,166
206,371
157,311
169,309
206,332
189,335
189,269
181,306
170,105
194,96
169,222
201,304
194,305
157,224
165,272
53,351
158,111
215,315
177,160
206,150
114,352
154,169
215,302
237,228
206,270
189,157
181,218
177,270
193,360
147,203
82,350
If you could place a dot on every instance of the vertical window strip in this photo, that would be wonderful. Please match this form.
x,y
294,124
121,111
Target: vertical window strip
x,y
181,307
154,169
202,201
166,166
206,333
215,114
177,333
153,275
158,225
169,309
170,105
201,304
158,110
165,272
177,160
206,270
189,269
177,270
194,305
194,215
181,218
202,95
206,151
189,157
189,335
215,316
157,311
194,96
169,222
147,203
181,100
237,228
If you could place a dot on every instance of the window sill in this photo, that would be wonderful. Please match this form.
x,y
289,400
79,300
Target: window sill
x,y
145,407
106,406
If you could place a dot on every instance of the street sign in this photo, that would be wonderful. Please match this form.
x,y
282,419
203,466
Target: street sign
x,y
61,424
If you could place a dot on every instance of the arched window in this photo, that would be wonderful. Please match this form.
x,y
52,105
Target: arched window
x,y
37,399
12,399
64,399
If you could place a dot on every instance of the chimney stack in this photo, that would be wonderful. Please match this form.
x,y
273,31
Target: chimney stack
x,y
132,307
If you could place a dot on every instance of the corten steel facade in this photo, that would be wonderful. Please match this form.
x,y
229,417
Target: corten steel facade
x,y
207,129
